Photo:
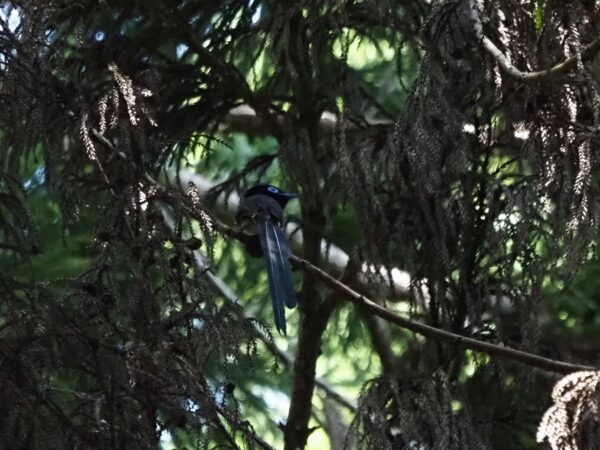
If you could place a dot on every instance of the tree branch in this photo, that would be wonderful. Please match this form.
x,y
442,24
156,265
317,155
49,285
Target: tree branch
x,y
529,359
381,341
243,118
436,333
311,328
588,52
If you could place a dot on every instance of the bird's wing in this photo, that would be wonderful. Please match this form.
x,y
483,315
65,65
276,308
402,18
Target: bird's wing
x,y
277,253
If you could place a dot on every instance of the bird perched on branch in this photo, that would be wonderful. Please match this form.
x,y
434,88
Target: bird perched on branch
x,y
260,216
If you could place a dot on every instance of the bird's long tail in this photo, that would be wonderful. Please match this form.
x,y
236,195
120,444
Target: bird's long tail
x,y
277,252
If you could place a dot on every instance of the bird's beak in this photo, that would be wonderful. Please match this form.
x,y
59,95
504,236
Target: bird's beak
x,y
288,195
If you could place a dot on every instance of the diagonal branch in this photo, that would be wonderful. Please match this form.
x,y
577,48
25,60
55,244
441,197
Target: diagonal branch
x,y
527,358
436,333
379,332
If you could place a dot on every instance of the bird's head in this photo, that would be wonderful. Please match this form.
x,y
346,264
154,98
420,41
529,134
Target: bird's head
x,y
275,193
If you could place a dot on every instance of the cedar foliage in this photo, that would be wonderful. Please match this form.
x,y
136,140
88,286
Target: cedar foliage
x,y
110,94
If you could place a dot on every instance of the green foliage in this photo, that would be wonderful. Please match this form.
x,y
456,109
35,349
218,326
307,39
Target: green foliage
x,y
575,306
540,6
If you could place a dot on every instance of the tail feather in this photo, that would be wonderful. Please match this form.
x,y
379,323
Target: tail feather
x,y
286,267
277,253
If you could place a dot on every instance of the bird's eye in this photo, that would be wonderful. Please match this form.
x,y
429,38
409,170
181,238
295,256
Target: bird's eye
x,y
272,189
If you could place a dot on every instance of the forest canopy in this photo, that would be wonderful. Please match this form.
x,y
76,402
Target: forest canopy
x,y
444,235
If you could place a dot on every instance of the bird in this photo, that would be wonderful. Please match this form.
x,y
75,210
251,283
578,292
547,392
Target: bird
x,y
260,216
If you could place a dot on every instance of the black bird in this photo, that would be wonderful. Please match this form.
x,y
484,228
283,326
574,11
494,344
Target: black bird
x,y
260,215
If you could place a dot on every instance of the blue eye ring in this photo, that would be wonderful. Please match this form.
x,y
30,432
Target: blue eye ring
x,y
273,190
